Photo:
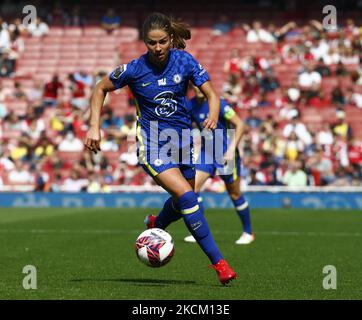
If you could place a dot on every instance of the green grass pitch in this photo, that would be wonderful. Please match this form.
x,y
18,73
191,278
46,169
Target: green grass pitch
x,y
89,254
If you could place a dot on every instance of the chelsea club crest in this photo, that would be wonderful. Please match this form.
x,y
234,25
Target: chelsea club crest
x,y
177,78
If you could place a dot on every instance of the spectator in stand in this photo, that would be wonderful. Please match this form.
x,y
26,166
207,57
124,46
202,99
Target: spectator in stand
x,y
255,178
56,184
325,136
332,57
52,90
74,183
79,93
293,147
232,89
233,65
257,33
349,57
299,129
341,70
12,122
323,166
110,21
322,68
19,93
83,77
6,65
253,121
16,48
4,39
338,98
71,143
269,82
76,17
18,27
352,97
36,92
39,28
309,82
20,174
341,127
288,112
6,163
222,26
109,120
295,176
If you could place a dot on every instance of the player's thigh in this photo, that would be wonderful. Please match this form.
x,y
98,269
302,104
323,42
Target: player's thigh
x,y
201,178
173,182
233,188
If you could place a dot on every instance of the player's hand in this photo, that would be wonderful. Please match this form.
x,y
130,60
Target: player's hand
x,y
93,139
210,123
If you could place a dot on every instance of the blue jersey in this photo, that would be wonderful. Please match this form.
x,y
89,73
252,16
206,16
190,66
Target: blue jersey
x,y
199,112
211,159
161,106
161,94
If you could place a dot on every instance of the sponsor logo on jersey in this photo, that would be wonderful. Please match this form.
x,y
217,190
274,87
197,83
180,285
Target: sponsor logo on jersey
x,y
146,84
162,82
167,105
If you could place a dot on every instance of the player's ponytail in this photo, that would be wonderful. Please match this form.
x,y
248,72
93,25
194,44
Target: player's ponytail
x,y
179,30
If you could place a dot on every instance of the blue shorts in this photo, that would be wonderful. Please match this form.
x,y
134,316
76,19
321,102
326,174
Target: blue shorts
x,y
154,161
228,174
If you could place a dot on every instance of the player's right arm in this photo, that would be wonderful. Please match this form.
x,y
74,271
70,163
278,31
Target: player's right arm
x,y
118,78
93,136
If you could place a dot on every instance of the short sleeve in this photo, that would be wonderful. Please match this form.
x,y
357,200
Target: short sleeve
x,y
120,76
226,111
198,74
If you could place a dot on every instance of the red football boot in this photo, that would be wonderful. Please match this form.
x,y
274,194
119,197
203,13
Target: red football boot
x,y
150,221
224,271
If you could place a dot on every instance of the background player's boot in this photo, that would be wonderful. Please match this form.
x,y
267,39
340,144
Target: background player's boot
x,y
224,271
190,238
245,238
150,221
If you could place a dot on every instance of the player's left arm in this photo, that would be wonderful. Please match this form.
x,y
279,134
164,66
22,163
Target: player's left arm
x,y
238,125
214,105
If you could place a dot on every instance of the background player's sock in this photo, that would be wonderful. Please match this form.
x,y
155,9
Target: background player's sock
x,y
168,214
197,225
242,208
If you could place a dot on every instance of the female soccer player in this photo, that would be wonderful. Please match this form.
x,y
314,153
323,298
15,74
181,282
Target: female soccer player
x,y
230,174
159,81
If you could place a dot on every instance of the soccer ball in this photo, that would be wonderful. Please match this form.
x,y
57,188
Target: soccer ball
x,y
154,247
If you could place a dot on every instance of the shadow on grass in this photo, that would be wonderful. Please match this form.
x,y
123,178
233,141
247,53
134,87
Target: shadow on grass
x,y
141,282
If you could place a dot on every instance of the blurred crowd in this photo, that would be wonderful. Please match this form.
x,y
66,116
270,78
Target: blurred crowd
x,y
43,146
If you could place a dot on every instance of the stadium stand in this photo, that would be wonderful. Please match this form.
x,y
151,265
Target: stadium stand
x,y
275,74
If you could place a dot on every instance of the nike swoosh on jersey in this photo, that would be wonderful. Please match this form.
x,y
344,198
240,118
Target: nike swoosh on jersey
x,y
146,84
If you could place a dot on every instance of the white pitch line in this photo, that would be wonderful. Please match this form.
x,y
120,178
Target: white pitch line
x,y
111,232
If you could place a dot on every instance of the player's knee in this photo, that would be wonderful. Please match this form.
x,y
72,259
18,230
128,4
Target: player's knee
x,y
235,194
188,202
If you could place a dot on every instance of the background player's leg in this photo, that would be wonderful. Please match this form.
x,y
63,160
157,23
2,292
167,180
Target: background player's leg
x,y
200,180
241,205
174,182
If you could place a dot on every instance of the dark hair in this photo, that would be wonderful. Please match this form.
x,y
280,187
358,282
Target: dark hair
x,y
177,28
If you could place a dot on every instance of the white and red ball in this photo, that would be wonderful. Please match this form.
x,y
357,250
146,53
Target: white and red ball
x,y
154,247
